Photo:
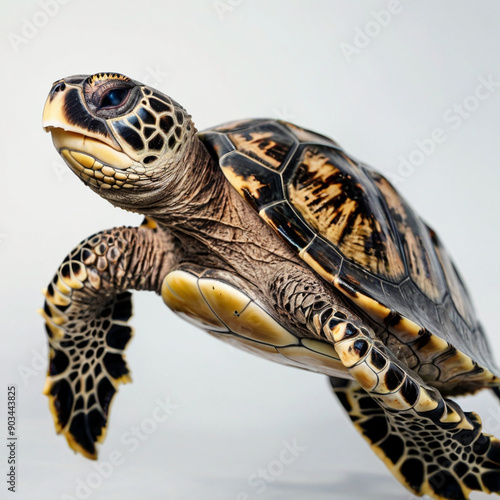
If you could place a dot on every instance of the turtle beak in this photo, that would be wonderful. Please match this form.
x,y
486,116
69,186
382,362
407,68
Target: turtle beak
x,y
74,128
53,114
65,109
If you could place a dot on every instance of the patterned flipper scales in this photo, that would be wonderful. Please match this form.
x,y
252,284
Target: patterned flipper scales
x,y
430,445
87,307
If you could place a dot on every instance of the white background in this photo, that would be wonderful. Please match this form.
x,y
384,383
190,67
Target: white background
x,y
227,60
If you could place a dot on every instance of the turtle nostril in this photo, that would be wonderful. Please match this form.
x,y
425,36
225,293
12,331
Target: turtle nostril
x,y
58,87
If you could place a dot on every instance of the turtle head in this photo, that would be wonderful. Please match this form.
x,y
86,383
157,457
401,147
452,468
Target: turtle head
x,y
122,138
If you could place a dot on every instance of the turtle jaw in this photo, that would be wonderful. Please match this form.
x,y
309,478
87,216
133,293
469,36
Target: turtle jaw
x,y
85,142
65,109
95,162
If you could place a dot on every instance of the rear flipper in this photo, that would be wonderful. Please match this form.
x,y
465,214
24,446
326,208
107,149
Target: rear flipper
x,y
441,459
86,312
428,443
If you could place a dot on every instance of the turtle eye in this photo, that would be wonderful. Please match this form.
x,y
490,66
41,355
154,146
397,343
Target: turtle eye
x,y
114,98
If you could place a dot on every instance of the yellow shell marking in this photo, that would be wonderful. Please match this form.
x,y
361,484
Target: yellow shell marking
x,y
242,183
417,251
313,263
407,331
317,202
258,146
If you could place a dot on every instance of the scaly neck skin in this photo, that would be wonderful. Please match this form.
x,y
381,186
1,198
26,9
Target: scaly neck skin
x,y
200,206
190,198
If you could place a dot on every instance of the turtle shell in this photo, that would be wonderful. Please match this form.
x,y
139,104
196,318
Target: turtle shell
x,y
350,225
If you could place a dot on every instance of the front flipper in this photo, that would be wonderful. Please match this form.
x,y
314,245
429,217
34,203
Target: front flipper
x,y
86,312
428,443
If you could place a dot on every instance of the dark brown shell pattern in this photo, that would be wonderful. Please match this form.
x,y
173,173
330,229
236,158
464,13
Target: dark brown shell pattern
x,y
351,226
